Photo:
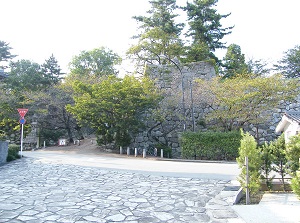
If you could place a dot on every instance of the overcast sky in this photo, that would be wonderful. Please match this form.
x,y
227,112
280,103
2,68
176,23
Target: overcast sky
x,y
37,28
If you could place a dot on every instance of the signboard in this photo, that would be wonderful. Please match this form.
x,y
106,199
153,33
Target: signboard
x,y
22,121
22,112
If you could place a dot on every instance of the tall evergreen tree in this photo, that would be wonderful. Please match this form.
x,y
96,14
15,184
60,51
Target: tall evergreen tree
x,y
5,54
160,34
234,62
51,70
25,75
289,65
205,30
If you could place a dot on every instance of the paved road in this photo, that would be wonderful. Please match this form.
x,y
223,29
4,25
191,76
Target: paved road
x,y
56,187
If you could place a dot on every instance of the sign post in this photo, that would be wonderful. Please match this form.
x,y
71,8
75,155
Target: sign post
x,y
22,113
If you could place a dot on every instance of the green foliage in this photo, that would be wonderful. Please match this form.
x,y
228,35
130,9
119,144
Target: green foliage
x,y
295,184
114,107
51,71
210,145
248,148
97,62
234,62
238,101
280,162
205,29
293,153
25,76
289,65
13,152
49,135
159,35
5,54
267,161
166,150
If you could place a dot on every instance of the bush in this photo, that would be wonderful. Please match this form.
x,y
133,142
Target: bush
x,y
210,145
296,184
249,149
293,153
13,153
166,150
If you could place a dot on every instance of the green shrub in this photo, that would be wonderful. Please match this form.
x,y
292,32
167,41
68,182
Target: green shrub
x,y
13,152
295,184
249,149
210,145
166,150
293,153
267,161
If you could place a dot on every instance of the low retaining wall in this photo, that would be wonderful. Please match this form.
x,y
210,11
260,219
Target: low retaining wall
x,y
3,152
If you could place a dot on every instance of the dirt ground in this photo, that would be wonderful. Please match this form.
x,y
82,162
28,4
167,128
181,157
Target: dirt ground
x,y
85,146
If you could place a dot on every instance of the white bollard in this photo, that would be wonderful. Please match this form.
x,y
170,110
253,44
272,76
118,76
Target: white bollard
x,y
144,153
161,153
128,151
121,150
44,144
135,152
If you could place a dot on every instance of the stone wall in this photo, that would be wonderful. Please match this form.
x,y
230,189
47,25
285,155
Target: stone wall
x,y
177,83
3,151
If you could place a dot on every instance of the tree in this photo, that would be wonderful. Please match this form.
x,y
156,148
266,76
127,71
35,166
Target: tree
x,y
49,107
241,101
267,161
205,29
234,62
5,54
257,68
25,75
51,71
160,34
97,62
249,149
293,153
289,65
114,107
278,150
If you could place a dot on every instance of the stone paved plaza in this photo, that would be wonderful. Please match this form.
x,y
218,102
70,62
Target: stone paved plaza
x,y
35,191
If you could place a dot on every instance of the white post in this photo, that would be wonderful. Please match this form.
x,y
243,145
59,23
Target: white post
x,y
44,144
128,151
247,181
21,139
121,150
144,153
162,153
135,152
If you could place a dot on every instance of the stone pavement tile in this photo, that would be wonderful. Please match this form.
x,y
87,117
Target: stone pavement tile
x,y
33,191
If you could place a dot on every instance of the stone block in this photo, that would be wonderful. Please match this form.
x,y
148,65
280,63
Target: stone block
x,y
3,151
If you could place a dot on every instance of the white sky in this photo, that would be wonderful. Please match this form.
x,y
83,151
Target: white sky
x,y
37,28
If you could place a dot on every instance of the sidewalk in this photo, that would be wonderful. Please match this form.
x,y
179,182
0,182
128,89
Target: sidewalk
x,y
273,208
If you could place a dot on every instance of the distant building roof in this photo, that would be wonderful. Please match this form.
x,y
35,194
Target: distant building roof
x,y
295,116
287,119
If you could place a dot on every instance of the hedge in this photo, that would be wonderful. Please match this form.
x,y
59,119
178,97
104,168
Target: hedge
x,y
13,152
210,145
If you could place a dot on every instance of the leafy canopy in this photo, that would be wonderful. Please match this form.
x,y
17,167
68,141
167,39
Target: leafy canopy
x,y
240,100
114,107
97,62
289,65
